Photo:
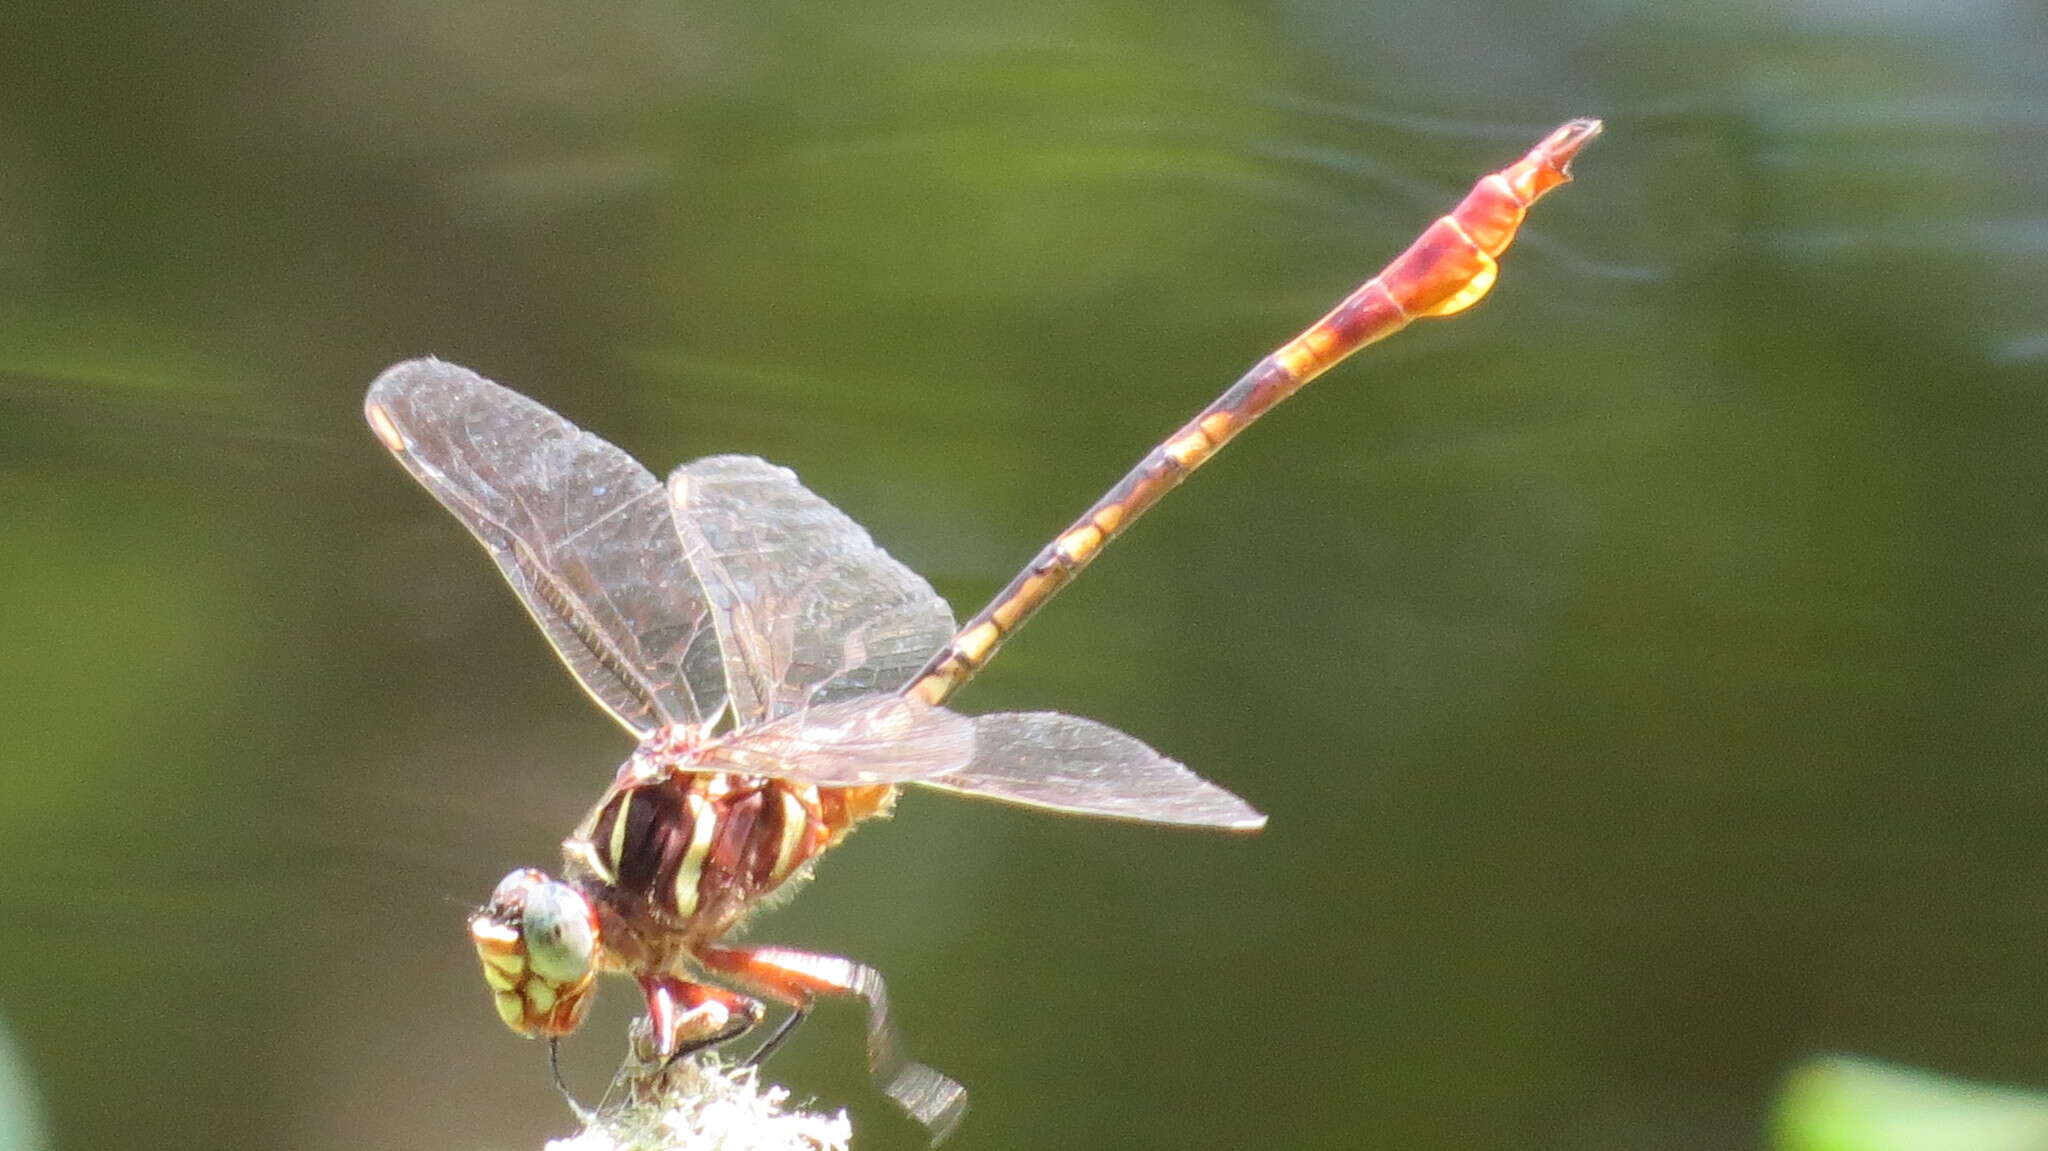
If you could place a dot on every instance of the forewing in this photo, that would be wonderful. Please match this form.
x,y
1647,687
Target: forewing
x,y
1081,767
581,531
851,743
808,608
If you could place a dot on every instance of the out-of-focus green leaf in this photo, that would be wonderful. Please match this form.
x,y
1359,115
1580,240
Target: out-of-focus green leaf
x,y
21,1107
1843,1103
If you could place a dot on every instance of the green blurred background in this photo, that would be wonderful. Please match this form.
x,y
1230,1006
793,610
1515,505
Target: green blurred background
x,y
1646,673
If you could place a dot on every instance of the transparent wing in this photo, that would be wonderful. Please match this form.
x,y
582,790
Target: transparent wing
x,y
850,743
581,531
808,609
1081,767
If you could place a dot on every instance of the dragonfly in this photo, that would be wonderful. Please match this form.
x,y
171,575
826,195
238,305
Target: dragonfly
x,y
784,677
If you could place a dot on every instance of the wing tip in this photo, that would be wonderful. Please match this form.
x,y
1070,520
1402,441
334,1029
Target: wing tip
x,y
1239,820
392,384
403,376
392,376
408,380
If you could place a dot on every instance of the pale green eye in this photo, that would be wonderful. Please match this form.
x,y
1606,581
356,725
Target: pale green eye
x,y
559,929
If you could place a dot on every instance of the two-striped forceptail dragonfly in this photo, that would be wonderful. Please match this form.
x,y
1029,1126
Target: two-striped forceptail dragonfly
x,y
784,676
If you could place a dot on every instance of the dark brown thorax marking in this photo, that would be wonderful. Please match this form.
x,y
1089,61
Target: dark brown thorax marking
x,y
691,850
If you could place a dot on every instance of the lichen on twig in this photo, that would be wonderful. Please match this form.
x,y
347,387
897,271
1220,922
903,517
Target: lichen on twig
x,y
701,1103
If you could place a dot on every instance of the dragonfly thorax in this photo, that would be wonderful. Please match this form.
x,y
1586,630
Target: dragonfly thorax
x,y
664,750
669,850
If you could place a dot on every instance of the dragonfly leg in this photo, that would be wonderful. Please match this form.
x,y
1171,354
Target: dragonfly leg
x,y
780,1035
561,1084
684,1017
798,978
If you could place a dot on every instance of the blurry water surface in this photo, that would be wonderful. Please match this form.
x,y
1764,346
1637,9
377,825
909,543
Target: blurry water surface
x,y
1646,674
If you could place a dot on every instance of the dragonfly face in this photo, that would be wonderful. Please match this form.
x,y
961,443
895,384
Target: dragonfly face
x,y
783,676
538,940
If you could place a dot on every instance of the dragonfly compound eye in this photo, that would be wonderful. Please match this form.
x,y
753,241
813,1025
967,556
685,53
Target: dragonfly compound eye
x,y
561,933
538,941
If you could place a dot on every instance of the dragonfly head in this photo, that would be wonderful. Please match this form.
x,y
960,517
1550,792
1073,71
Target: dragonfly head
x,y
538,940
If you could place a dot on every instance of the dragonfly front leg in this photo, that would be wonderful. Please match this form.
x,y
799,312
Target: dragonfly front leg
x,y
683,1017
798,978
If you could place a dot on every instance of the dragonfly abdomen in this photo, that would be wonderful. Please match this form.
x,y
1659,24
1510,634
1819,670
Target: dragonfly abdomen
x,y
1446,270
